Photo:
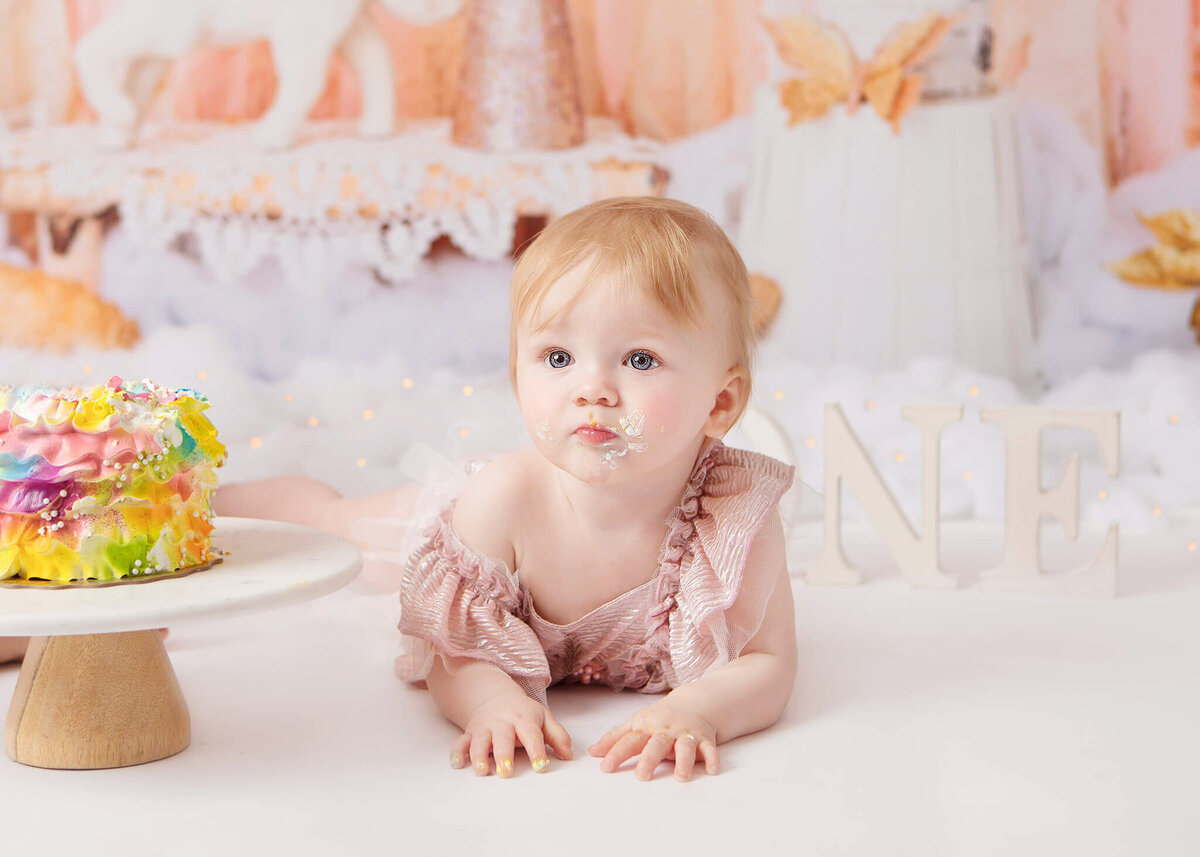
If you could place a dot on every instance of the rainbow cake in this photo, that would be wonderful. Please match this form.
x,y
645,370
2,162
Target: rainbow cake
x,y
109,484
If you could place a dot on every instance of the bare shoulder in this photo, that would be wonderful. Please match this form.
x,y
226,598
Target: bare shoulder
x,y
489,510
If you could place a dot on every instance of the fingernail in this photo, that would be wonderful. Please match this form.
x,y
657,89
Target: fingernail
x,y
504,767
481,769
456,760
540,764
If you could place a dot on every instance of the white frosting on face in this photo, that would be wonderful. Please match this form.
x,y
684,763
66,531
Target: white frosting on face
x,y
633,425
542,431
630,429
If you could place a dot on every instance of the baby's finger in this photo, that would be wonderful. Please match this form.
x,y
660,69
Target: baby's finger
x,y
556,735
627,746
535,748
503,746
685,757
653,753
708,749
608,739
458,753
481,748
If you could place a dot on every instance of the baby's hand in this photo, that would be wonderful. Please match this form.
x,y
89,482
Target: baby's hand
x,y
498,724
661,731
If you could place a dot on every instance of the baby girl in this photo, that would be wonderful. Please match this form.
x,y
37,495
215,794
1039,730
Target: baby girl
x,y
628,546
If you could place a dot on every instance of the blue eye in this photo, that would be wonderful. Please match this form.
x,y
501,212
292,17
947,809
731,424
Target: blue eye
x,y
642,361
557,359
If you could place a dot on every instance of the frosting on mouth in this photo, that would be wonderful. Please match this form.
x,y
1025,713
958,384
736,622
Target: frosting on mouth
x,y
628,432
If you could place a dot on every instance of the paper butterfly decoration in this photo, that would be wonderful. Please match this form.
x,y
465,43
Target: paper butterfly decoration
x,y
1175,262
832,74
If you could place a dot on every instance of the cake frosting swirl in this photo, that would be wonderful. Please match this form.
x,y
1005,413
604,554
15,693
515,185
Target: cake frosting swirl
x,y
105,484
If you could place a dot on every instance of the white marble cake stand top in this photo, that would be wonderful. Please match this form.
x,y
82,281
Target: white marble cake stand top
x,y
267,564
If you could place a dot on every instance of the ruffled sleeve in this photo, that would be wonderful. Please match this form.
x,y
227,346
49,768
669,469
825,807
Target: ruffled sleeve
x,y
460,604
720,598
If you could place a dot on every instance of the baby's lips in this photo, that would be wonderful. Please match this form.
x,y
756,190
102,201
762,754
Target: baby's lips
x,y
595,434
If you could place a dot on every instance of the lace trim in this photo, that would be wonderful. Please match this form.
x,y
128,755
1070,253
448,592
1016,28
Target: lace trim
x,y
331,201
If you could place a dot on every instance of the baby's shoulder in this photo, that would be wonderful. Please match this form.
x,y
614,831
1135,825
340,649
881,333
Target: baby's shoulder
x,y
490,507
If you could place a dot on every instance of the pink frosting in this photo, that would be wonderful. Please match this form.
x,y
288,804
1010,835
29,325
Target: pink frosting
x,y
78,453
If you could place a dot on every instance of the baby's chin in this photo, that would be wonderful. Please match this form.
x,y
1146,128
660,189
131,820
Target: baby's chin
x,y
596,466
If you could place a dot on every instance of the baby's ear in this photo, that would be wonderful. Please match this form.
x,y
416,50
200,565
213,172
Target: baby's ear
x,y
728,403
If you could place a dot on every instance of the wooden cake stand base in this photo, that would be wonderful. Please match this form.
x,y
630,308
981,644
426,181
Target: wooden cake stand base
x,y
96,701
98,691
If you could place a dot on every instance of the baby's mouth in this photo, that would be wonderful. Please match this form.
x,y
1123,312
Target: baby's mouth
x,y
616,440
595,435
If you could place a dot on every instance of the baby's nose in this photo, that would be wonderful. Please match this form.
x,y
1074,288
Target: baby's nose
x,y
596,388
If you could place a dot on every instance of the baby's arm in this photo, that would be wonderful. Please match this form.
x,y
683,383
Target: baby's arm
x,y
743,696
490,707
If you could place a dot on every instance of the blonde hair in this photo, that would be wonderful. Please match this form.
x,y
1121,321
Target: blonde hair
x,y
654,246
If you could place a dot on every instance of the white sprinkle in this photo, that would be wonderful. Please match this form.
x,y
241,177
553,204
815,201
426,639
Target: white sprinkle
x,y
41,531
107,463
62,493
137,466
45,501
116,465
54,513
137,562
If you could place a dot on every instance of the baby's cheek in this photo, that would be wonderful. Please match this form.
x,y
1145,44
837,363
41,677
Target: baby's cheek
x,y
538,416
666,413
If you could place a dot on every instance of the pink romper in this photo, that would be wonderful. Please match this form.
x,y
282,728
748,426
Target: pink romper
x,y
696,611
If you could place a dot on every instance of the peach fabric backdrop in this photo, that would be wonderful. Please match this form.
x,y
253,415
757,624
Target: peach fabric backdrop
x,y
694,61
1127,71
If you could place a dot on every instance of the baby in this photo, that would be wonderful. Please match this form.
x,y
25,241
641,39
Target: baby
x,y
628,546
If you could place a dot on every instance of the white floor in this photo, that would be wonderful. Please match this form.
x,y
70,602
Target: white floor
x,y
923,723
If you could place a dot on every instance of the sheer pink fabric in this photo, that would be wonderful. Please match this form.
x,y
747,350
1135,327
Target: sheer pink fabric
x,y
696,611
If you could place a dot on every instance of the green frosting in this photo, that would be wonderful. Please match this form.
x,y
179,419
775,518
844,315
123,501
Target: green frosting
x,y
120,557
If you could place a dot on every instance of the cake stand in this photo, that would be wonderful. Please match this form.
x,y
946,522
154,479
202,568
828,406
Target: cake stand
x,y
97,690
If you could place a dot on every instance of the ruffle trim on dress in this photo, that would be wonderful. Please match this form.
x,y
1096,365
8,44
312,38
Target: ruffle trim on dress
x,y
489,577
728,498
463,604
